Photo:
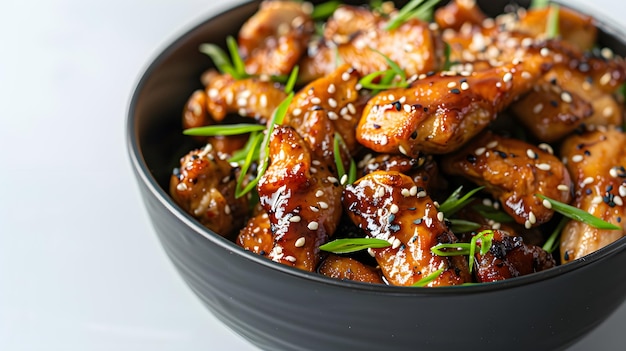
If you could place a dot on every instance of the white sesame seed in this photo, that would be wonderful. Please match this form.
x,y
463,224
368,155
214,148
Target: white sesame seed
x,y
607,53
402,150
537,108
596,200
605,79
213,93
344,179
496,226
396,243
527,224
331,88
531,154
394,209
480,151
405,192
566,97
607,111
371,252
562,187
492,144
314,209
496,205
345,76
465,86
227,210
323,205
319,193
451,84
544,52
351,108
332,102
384,140
526,75
613,172
332,179
544,166
421,194
440,216
300,242
313,225
577,158
546,147
380,192
413,190
263,100
316,101
487,202
181,186
407,108
332,116
290,259
587,181
436,203
622,191
547,204
507,77
618,201
531,217
296,112
295,219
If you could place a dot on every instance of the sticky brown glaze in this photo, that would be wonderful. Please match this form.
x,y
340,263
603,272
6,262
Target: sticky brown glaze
x,y
510,257
303,201
347,21
273,39
195,113
256,236
550,113
204,186
346,268
386,205
438,114
597,162
325,106
458,12
250,97
513,171
413,46
575,28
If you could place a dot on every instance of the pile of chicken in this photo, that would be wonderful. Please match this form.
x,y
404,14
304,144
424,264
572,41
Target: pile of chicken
x,y
516,112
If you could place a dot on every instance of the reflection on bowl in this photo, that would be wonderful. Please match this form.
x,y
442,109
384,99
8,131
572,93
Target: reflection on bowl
x,y
281,308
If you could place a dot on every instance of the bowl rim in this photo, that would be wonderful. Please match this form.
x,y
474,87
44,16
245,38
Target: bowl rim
x,y
144,175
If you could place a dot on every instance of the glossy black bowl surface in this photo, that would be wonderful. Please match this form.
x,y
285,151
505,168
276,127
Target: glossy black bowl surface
x,y
281,308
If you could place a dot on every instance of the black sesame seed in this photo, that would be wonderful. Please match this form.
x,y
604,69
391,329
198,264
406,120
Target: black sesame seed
x,y
376,126
392,217
588,191
500,153
554,103
397,105
394,227
471,158
455,91
411,208
414,135
418,221
587,153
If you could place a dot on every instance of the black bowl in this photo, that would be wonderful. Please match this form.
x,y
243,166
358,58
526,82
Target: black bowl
x,y
281,308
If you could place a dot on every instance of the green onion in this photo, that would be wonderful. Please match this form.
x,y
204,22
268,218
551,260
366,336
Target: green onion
x,y
291,81
447,51
552,243
425,12
349,245
454,202
388,76
491,213
578,214
250,147
466,249
429,278
224,129
233,49
539,4
249,159
403,15
552,26
463,226
324,10
351,175
233,65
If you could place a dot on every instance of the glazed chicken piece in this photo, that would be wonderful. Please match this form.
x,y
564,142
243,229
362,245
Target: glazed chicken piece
x,y
387,205
273,39
195,113
204,186
250,97
303,201
597,162
347,21
458,12
513,171
551,113
413,46
325,106
346,268
510,257
438,114
256,236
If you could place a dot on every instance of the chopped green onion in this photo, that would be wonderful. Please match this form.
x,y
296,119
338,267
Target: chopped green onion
x,y
539,4
403,15
388,76
429,278
337,144
463,226
324,10
224,129
454,202
250,147
447,51
491,213
219,58
466,249
349,245
455,249
552,26
352,172
238,64
425,12
552,243
578,214
291,81
248,160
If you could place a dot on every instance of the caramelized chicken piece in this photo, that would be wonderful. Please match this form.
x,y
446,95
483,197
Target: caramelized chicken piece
x,y
551,113
413,46
597,162
325,106
513,171
387,205
575,28
438,114
458,12
303,202
256,236
204,186
273,40
347,21
510,257
249,97
346,268
195,113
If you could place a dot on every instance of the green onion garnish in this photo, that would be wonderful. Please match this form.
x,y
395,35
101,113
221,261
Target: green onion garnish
x,y
341,172
233,65
224,129
454,202
552,26
388,76
552,243
491,213
539,4
466,249
463,226
403,15
251,147
291,81
447,51
425,12
429,278
349,245
324,10
578,214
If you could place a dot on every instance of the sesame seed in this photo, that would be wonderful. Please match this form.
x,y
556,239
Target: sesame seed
x,y
314,209
537,108
345,76
607,111
547,204
316,101
380,192
507,77
531,154
587,181
290,259
323,205
487,202
577,158
405,192
402,150
421,194
371,252
384,140
396,243
607,53
465,86
230,96
531,217
566,97
227,209
455,91
296,112
300,242
394,208
331,88
546,147
613,172
526,75
544,52
562,187
492,144
544,166
407,108
319,193
440,216
480,151
351,108
605,79
332,102
596,200
451,84
618,201
496,226
332,116
332,179
313,225
295,219
413,190
527,224
344,179
622,191
181,186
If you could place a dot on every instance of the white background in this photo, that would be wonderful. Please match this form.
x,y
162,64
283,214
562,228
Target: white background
x,y
80,267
